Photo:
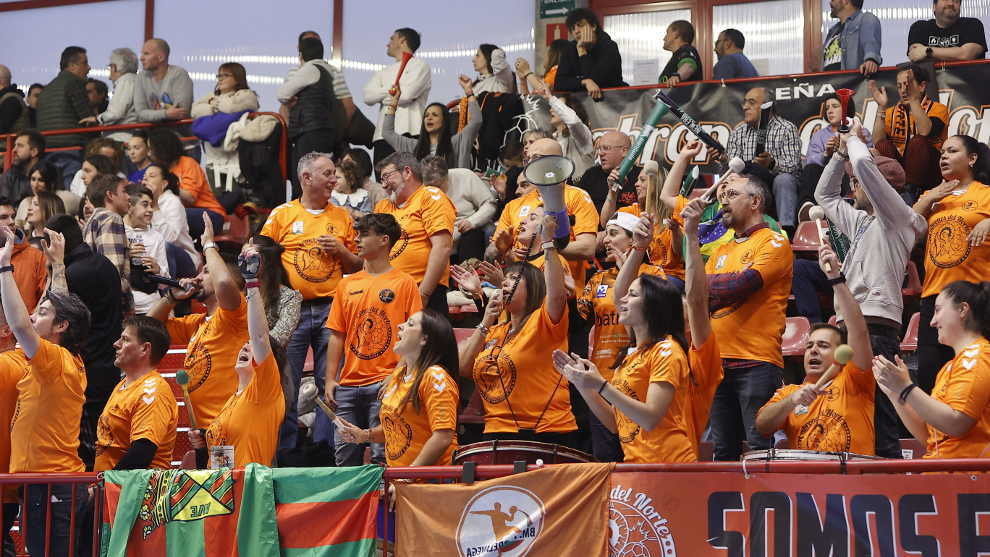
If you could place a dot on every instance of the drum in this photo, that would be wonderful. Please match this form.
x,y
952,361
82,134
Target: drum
x,y
508,452
792,455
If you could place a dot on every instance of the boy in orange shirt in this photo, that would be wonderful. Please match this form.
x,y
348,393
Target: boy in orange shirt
x,y
13,366
838,417
137,427
363,323
44,433
214,339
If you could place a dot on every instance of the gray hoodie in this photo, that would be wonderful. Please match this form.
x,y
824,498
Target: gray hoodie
x,y
881,243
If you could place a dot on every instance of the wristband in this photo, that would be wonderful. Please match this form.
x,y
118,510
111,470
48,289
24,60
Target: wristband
x,y
907,391
252,284
209,245
8,268
548,245
602,388
482,329
837,280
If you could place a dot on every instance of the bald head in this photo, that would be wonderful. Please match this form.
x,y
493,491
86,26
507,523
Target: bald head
x,y
612,148
154,54
4,76
544,147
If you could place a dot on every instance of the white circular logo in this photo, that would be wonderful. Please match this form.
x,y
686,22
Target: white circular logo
x,y
635,528
501,521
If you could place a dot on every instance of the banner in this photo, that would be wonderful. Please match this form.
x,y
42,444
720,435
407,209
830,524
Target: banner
x,y
555,511
799,515
250,512
717,106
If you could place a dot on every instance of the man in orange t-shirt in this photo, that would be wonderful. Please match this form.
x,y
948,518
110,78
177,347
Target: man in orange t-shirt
x,y
137,427
13,366
44,432
363,323
837,416
30,267
214,339
318,238
749,281
426,216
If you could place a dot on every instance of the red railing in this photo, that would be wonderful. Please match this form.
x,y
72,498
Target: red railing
x,y
283,151
75,481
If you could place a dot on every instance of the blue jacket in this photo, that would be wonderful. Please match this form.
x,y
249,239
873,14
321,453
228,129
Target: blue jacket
x,y
860,40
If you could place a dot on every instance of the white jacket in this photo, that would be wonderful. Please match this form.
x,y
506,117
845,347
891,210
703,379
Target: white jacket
x,y
121,108
415,84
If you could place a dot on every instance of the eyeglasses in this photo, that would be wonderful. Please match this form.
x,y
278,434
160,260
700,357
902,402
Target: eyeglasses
x,y
389,174
730,194
224,75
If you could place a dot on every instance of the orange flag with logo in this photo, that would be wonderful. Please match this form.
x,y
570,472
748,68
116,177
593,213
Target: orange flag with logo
x,y
554,511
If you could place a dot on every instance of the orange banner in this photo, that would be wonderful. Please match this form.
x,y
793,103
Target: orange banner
x,y
555,511
727,514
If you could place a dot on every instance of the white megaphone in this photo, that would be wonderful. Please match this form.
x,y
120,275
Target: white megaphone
x,y
549,173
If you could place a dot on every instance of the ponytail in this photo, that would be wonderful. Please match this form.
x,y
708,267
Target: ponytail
x,y
977,296
981,169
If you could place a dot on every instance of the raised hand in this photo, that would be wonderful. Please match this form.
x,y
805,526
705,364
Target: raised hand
x,y
879,93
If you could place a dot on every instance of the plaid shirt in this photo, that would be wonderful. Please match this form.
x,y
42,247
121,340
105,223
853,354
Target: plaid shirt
x,y
104,232
782,143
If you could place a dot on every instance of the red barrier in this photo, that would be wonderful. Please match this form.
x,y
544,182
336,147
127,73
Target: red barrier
x,y
283,151
20,483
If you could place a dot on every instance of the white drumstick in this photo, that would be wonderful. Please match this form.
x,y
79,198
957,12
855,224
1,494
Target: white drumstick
x,y
736,166
818,215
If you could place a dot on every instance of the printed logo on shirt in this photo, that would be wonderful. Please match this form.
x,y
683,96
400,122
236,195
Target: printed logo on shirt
x,y
312,264
948,241
386,295
602,291
374,334
747,257
627,429
496,380
398,435
199,364
943,42
827,432
297,227
969,205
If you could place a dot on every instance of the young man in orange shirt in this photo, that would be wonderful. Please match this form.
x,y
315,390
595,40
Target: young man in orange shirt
x,y
749,281
44,433
318,238
32,272
137,427
363,324
426,216
838,417
214,339
13,366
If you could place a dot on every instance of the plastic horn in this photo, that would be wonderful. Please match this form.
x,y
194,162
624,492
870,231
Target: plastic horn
x,y
817,214
736,166
844,96
659,109
402,67
690,123
182,378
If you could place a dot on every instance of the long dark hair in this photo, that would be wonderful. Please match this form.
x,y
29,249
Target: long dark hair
x,y
171,180
977,295
165,147
103,164
664,314
536,286
272,275
445,148
440,349
555,51
50,174
981,169
486,50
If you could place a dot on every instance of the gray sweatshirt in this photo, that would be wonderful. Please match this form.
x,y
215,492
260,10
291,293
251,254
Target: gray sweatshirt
x,y
881,243
148,93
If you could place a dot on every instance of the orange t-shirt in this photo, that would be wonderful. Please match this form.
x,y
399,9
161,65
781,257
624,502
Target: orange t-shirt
x,y
706,375
44,432
671,440
900,125
579,206
964,384
427,212
250,419
193,180
368,310
949,256
143,409
752,330
311,271
213,343
30,273
840,420
665,249
525,371
596,302
406,430
13,366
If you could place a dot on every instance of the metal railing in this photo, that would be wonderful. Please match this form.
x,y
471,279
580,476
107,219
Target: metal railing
x,y
85,503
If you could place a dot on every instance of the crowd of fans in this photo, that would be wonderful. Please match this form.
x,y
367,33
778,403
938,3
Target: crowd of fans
x,y
112,252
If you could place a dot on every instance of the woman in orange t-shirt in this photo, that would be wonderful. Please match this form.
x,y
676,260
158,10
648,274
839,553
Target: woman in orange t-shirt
x,y
510,362
954,421
958,214
419,400
165,149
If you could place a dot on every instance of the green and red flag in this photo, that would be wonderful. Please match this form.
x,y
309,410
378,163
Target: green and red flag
x,y
250,512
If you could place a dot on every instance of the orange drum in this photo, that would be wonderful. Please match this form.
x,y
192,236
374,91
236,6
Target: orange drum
x,y
508,452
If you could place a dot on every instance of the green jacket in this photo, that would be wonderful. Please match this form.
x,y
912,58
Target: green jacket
x,y
60,106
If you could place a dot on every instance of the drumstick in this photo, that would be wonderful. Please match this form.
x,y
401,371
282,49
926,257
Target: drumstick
x,y
818,215
326,409
402,67
843,353
182,378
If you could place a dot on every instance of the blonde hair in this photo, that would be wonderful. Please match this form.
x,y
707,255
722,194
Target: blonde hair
x,y
653,206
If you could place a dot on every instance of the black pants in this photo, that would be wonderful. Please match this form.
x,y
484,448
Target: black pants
x,y
320,141
470,245
931,354
886,343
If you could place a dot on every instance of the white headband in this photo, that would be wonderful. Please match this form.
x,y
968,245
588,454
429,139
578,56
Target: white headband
x,y
626,221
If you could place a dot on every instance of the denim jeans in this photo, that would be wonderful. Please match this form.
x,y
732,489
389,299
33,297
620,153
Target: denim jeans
x,y
310,332
785,194
738,398
37,508
809,280
886,343
359,406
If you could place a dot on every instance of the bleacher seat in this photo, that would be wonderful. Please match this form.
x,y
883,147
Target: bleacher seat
x,y
236,230
910,341
806,237
795,336
173,359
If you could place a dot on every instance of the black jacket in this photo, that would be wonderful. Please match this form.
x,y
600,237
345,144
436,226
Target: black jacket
x,y
603,65
12,110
